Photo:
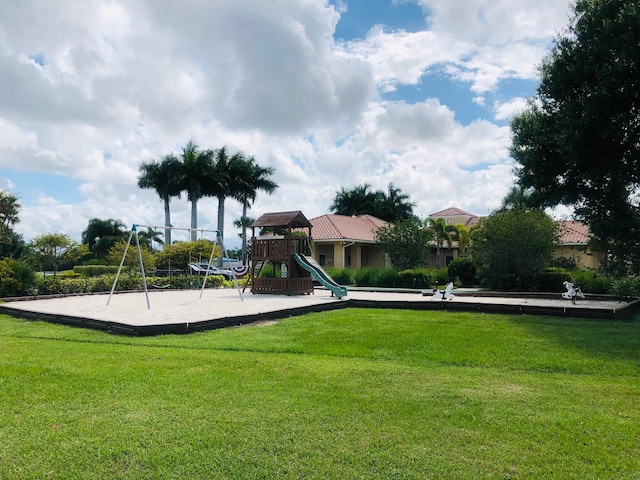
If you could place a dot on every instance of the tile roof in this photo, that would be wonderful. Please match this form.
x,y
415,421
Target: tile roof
x,y
452,212
573,232
341,227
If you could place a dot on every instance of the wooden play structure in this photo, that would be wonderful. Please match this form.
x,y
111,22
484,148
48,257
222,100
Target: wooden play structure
x,y
286,234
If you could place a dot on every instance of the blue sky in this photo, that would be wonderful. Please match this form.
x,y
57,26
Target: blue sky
x,y
334,94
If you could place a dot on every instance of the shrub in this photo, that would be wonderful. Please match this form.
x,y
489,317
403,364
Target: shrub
x,y
415,278
388,278
104,283
16,278
591,283
463,268
626,287
442,276
95,270
552,279
365,277
340,276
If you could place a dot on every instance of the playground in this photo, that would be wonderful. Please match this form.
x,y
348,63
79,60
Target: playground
x,y
185,311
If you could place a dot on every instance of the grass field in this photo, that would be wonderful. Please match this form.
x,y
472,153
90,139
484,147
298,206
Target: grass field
x,y
370,394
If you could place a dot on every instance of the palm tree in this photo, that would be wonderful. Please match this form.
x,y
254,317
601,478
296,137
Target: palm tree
x,y
361,200
165,177
253,177
148,236
9,208
101,235
393,206
198,179
224,182
443,233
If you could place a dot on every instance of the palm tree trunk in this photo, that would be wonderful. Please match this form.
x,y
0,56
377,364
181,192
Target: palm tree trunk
x,y
221,217
194,220
244,230
167,222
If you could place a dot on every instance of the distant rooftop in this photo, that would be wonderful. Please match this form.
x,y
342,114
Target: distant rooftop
x,y
341,227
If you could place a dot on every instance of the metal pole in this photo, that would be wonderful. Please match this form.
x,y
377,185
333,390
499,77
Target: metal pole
x,y
120,267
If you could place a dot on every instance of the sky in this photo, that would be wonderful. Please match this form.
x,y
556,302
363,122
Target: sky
x,y
331,94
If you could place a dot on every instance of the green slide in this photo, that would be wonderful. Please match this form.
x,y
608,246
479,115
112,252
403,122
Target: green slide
x,y
316,271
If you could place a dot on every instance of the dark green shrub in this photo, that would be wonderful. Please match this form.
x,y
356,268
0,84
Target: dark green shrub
x,y
415,278
463,268
366,277
442,276
388,278
340,276
591,283
16,278
552,280
626,287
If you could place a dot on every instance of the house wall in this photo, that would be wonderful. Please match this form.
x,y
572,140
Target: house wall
x,y
356,256
585,259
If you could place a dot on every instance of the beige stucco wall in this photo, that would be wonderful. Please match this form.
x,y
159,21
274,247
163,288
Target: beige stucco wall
x,y
585,259
349,255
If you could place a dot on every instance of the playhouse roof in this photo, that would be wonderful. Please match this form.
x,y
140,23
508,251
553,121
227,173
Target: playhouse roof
x,y
282,219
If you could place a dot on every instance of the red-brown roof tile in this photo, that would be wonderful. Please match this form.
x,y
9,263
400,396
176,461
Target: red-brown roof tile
x,y
341,227
451,212
573,232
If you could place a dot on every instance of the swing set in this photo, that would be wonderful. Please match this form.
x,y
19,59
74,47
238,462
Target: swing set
x,y
133,234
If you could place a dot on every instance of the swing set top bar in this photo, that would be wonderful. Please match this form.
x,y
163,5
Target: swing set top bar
x,y
156,227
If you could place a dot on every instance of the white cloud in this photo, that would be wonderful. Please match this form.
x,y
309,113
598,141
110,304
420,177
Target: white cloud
x,y
89,89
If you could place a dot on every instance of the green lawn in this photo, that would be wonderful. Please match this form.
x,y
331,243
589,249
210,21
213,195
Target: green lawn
x,y
345,394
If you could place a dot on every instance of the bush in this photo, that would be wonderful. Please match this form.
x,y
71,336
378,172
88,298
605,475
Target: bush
x,y
626,287
126,282
442,276
591,283
415,278
388,278
95,270
552,280
16,278
340,276
366,277
463,268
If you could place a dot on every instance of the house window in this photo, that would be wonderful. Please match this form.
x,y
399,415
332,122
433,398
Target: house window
x,y
323,260
349,261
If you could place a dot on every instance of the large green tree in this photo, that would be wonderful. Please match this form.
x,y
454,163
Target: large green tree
x,y
100,235
407,242
165,176
54,249
513,247
578,142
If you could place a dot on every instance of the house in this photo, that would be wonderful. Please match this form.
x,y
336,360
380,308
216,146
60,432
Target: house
x,y
453,216
340,241
573,244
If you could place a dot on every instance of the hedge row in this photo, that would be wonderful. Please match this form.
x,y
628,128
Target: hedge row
x,y
104,283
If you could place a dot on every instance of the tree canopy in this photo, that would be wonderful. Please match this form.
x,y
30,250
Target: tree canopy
x,y
407,242
361,200
578,141
513,247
